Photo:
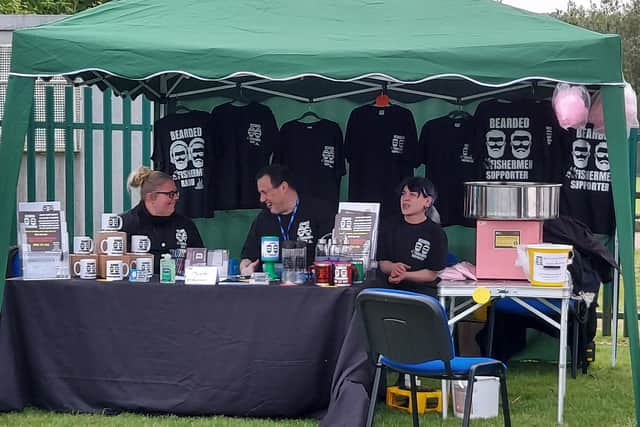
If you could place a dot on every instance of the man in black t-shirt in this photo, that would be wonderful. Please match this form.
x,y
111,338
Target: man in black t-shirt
x,y
413,249
286,215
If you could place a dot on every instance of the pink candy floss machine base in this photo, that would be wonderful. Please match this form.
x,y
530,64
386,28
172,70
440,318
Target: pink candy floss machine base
x,y
496,243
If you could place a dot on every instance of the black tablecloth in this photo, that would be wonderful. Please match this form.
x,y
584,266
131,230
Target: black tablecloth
x,y
236,350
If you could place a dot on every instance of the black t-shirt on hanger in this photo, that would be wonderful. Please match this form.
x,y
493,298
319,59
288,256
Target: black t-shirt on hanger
x,y
449,157
246,136
314,152
182,148
586,179
512,140
381,147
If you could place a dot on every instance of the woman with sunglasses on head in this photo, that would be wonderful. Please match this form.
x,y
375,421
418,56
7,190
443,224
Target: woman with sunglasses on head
x,y
156,217
413,248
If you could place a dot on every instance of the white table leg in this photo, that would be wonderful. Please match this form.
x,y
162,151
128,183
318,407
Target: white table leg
x,y
562,358
445,400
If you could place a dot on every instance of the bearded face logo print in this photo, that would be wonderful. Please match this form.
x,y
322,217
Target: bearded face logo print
x,y
188,146
304,231
254,134
196,152
181,237
496,141
521,144
328,156
602,156
581,151
421,249
179,154
397,144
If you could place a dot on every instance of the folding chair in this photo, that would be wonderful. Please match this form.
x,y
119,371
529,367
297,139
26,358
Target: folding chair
x,y
408,332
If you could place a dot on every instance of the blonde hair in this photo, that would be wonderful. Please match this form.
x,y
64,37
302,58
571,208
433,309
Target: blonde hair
x,y
147,180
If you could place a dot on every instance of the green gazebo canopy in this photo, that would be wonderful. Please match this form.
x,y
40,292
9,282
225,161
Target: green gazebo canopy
x,y
312,49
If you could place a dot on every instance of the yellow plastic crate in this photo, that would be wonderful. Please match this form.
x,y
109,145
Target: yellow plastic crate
x,y
428,400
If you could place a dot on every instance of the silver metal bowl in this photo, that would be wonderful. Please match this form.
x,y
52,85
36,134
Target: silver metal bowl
x,y
511,200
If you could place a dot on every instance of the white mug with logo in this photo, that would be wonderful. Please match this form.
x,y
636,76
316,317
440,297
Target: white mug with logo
x,y
82,245
143,265
112,245
111,222
140,244
85,268
116,270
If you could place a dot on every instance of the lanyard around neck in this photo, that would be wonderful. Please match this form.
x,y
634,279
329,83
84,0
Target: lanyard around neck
x,y
285,234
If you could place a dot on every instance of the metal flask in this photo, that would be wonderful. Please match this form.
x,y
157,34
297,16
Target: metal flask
x,y
511,200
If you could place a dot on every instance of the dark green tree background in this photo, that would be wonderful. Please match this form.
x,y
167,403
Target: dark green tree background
x,y
46,7
613,16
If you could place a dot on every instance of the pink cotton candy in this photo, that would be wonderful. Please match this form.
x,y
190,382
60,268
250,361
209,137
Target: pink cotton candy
x,y
596,115
571,104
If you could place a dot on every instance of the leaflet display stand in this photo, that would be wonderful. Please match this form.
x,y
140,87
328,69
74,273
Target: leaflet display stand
x,y
356,226
43,241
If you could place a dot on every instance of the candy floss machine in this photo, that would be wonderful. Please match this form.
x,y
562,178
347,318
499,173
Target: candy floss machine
x,y
508,214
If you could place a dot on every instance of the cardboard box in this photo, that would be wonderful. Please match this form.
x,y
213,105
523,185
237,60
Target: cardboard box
x,y
467,344
102,263
102,235
75,257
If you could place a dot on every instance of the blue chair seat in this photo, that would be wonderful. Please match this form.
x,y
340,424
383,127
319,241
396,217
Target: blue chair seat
x,y
459,365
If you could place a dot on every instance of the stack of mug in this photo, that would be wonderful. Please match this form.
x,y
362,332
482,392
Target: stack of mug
x,y
111,246
108,258
140,260
84,262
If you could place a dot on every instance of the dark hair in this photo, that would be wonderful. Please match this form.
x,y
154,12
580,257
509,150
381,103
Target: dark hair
x,y
278,174
418,184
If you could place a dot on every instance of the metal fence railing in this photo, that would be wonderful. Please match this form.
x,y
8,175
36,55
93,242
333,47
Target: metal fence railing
x,y
83,156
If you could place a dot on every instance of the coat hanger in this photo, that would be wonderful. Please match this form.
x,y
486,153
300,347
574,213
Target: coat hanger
x,y
309,116
183,109
240,100
382,100
459,113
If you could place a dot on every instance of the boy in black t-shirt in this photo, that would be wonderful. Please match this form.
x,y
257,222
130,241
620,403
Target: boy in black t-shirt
x,y
414,248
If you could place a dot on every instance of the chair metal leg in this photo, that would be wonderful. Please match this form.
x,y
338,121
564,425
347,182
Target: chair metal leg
x,y
374,395
414,400
574,348
467,400
504,397
491,317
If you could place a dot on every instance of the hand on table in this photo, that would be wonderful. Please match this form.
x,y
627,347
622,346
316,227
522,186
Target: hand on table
x,y
249,268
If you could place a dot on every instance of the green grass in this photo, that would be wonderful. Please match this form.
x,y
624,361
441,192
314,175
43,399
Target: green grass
x,y
603,397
